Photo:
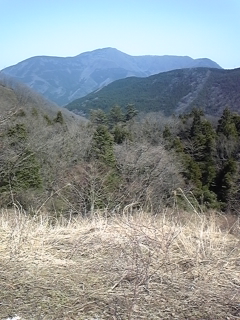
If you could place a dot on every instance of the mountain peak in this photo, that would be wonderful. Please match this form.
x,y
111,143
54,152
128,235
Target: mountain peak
x,y
65,79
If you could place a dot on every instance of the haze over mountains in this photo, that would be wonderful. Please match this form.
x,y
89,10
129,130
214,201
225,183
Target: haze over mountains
x,y
63,80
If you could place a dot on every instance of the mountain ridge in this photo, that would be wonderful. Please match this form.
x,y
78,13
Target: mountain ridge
x,y
64,79
175,91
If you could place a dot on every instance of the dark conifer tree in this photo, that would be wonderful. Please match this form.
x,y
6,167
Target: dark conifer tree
x,y
102,146
131,112
115,116
98,117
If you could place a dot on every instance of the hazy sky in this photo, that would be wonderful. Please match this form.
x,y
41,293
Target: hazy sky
x,y
196,28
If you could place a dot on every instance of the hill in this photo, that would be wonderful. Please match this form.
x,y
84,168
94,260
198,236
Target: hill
x,y
171,92
16,97
63,80
37,142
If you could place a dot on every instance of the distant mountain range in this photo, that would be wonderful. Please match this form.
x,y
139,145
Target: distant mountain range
x,y
176,91
63,80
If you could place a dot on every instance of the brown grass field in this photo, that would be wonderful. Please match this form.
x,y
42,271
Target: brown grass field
x,y
175,265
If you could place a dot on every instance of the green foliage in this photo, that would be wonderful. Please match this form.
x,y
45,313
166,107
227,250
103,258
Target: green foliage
x,y
26,172
17,133
48,120
169,92
82,168
21,173
98,117
114,121
196,122
19,169
59,118
131,112
227,125
120,133
115,116
193,171
177,144
102,146
209,155
226,180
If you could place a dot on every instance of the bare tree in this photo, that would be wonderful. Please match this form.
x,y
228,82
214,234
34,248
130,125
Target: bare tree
x,y
150,174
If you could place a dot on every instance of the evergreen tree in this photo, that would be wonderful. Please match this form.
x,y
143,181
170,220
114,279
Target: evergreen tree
x,y
21,173
120,133
115,116
196,123
236,120
226,181
26,172
102,146
59,118
131,112
226,124
210,156
98,117
192,172
17,133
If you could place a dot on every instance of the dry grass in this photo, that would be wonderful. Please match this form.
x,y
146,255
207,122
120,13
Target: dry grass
x,y
130,267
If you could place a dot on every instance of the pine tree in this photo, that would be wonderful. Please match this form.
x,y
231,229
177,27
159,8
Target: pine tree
x,y
59,118
98,117
120,133
196,123
226,181
131,112
226,124
102,146
115,116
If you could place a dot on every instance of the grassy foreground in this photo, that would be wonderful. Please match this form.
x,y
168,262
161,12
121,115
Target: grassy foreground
x,y
171,266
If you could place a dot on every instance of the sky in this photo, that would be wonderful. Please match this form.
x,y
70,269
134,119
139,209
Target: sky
x,y
195,28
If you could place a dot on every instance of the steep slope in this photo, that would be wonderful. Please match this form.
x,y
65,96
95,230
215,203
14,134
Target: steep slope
x,y
171,92
64,79
38,141
16,97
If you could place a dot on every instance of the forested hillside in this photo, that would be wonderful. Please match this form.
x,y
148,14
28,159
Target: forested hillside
x,y
176,91
67,164
33,134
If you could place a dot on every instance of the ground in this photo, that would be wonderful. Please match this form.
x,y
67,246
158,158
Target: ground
x,y
173,265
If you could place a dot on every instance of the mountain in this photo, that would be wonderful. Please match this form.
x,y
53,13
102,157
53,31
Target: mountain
x,y
171,92
63,80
